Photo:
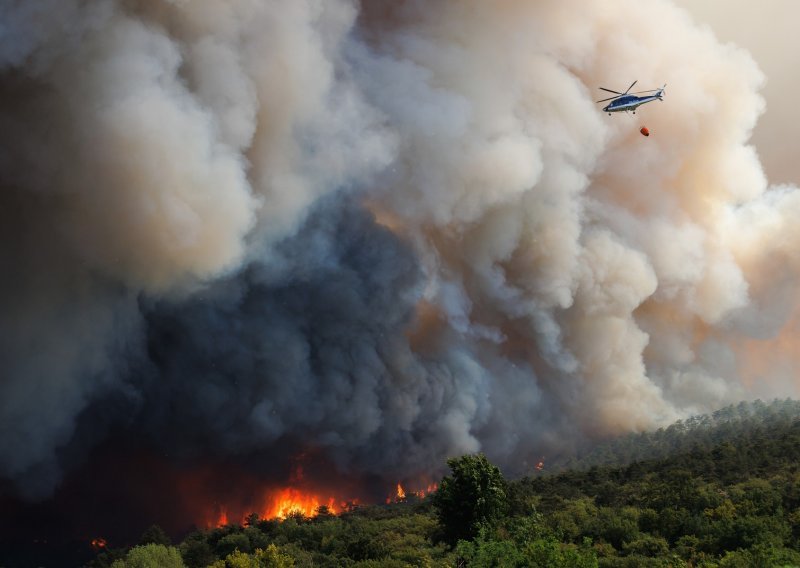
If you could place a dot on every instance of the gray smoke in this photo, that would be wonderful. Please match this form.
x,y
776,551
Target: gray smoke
x,y
390,231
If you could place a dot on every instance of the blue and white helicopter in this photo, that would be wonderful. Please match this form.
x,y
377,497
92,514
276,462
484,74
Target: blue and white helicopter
x,y
628,101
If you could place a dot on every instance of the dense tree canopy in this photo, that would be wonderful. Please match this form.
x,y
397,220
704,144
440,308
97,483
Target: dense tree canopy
x,y
155,535
150,556
471,498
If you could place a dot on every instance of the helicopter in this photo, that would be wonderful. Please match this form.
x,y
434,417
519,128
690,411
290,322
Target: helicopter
x,y
628,101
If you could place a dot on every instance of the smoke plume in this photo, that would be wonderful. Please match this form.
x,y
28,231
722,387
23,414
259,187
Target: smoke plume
x,y
775,46
388,231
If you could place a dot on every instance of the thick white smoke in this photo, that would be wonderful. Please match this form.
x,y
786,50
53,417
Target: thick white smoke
x,y
767,31
394,231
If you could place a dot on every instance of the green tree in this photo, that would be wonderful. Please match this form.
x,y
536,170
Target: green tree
x,y
272,557
323,513
237,559
155,535
151,556
484,553
760,555
549,553
196,551
231,542
647,545
474,496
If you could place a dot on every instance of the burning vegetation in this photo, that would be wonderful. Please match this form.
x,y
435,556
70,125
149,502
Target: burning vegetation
x,y
421,492
280,504
284,502
305,493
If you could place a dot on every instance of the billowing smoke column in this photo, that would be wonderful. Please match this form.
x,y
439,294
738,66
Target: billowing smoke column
x,y
390,232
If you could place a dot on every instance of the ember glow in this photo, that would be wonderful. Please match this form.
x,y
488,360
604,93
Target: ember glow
x,y
430,488
221,519
99,544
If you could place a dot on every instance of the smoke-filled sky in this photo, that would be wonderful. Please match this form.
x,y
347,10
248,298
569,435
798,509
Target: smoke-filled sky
x,y
390,232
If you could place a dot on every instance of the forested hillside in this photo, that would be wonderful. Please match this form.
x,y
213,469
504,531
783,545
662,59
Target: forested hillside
x,y
735,423
728,496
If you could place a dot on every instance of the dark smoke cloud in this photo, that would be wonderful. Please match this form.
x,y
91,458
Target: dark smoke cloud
x,y
386,232
301,350
313,345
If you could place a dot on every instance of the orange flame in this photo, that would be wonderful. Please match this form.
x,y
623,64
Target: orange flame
x,y
99,544
290,501
220,518
280,504
540,464
430,488
401,494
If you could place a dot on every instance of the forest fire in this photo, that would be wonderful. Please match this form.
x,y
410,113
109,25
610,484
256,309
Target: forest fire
x,y
283,503
292,501
99,544
307,486
221,519
207,494
280,503
428,489
401,494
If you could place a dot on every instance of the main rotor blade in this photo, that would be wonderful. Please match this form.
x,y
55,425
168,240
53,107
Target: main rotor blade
x,y
604,100
631,87
647,91
609,90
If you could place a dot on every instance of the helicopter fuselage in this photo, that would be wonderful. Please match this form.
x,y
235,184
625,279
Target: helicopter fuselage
x,y
629,102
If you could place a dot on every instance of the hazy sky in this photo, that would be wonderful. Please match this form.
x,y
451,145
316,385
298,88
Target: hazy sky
x,y
768,30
